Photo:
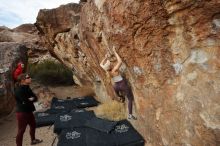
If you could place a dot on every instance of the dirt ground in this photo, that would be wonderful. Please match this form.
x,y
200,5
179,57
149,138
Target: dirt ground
x,y
9,130
8,127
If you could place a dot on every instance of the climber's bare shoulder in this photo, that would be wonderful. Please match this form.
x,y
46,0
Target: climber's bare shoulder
x,y
114,73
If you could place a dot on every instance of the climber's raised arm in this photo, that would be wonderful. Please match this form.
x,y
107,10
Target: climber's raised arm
x,y
102,62
119,61
105,63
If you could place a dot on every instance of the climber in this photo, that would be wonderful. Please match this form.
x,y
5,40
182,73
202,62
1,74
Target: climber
x,y
121,87
24,109
18,70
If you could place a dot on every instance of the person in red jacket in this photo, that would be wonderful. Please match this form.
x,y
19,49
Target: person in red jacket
x,y
18,71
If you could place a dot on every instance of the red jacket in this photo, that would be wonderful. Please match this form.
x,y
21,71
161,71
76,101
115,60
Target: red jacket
x,y
17,72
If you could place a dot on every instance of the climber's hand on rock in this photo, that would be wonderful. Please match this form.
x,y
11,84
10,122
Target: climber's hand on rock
x,y
113,48
108,55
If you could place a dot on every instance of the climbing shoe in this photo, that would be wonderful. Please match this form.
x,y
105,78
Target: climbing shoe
x,y
122,99
131,117
36,141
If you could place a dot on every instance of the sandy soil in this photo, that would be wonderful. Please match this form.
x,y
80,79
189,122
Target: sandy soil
x,y
9,130
8,125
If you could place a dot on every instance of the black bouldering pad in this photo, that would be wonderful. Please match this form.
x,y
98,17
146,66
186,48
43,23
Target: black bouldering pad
x,y
87,101
67,104
98,138
44,119
58,110
125,135
72,137
101,124
72,120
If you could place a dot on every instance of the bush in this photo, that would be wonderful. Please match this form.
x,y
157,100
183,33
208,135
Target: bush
x,y
111,110
51,73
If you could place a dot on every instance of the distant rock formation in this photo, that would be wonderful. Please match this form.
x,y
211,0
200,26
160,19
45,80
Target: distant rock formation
x,y
26,34
10,54
171,58
3,28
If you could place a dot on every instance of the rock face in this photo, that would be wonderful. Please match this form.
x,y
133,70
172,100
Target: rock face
x,y
10,54
26,34
170,51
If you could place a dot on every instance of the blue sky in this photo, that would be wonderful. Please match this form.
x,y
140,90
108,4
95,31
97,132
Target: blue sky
x,y
16,12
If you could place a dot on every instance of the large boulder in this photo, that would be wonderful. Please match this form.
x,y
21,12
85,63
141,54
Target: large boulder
x,y
61,36
10,54
171,58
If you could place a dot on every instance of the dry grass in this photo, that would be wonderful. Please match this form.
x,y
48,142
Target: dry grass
x,y
111,110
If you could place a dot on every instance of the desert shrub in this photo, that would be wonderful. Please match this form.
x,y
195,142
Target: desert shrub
x,y
51,73
111,110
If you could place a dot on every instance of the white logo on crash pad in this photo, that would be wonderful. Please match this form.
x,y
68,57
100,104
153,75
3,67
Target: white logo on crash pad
x,y
121,128
79,111
43,114
84,103
65,118
73,135
59,107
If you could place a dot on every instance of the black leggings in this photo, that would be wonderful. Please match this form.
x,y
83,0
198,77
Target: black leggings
x,y
122,87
